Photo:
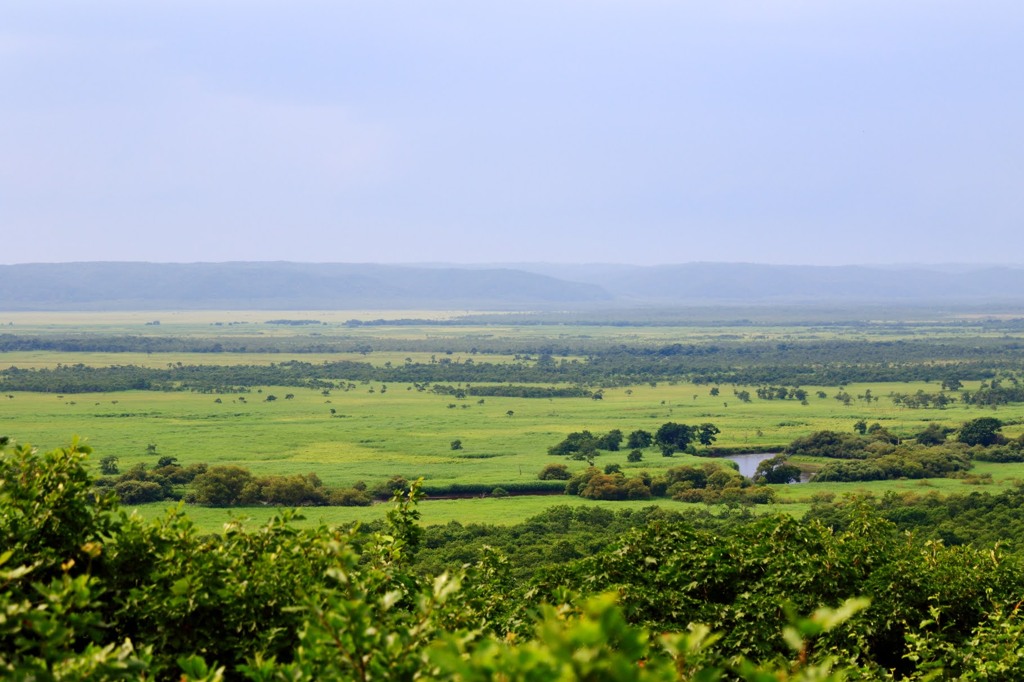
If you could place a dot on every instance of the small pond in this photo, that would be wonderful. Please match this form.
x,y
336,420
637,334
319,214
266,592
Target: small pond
x,y
748,463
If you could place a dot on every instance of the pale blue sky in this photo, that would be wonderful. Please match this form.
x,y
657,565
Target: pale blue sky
x,y
635,131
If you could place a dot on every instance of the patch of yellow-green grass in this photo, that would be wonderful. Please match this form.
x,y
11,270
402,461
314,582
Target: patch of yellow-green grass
x,y
501,511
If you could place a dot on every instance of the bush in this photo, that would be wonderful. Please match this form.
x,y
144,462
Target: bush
x,y
292,491
138,492
579,480
387,490
349,497
554,472
605,487
220,486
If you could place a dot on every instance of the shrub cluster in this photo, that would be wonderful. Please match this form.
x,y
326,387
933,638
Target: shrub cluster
x,y
877,455
1011,452
140,484
708,483
904,461
230,486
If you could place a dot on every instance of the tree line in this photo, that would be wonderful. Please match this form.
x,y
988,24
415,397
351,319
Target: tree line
x,y
765,365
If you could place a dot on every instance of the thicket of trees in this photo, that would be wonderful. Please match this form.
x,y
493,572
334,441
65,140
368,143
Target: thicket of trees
x,y
670,438
229,486
709,483
872,453
89,592
908,461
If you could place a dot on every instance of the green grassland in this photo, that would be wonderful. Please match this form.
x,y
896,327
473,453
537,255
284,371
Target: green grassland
x,y
504,511
376,431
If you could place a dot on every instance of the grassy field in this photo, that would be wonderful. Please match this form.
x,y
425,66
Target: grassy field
x,y
498,511
374,431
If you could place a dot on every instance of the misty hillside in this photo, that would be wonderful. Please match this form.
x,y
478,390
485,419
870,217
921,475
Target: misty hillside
x,y
296,286
695,283
279,286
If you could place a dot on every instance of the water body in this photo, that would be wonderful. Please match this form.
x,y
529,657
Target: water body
x,y
748,463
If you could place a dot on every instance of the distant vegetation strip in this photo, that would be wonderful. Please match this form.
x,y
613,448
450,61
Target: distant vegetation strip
x,y
828,364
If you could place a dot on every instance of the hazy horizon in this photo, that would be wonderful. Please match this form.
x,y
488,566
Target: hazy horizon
x,y
512,265
642,132
952,265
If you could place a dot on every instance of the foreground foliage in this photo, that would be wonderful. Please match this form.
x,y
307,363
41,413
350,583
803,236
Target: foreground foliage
x,y
87,591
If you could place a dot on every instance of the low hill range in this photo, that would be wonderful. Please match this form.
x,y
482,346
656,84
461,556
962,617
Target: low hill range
x,y
529,286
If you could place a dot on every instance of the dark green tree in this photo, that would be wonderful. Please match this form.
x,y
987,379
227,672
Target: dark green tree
x,y
610,441
674,436
706,433
981,431
777,470
640,439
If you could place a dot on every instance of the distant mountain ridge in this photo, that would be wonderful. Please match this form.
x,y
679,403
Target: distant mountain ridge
x,y
340,286
277,286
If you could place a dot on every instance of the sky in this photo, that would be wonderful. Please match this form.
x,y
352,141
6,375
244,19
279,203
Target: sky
x,y
566,131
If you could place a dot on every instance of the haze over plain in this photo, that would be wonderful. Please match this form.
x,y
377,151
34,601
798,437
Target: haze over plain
x,y
639,132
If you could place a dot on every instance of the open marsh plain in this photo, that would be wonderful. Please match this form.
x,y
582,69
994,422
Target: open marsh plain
x,y
371,428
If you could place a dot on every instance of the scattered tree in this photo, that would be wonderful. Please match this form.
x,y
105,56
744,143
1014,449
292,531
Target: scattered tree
x,y
108,466
640,439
